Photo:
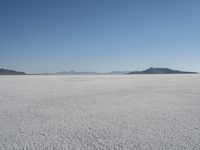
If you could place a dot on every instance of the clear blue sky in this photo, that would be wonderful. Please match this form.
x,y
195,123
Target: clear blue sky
x,y
99,35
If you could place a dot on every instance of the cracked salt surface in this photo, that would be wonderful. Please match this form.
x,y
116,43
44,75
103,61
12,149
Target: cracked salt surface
x,y
100,112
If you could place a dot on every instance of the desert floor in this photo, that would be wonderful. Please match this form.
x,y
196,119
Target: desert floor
x,y
100,112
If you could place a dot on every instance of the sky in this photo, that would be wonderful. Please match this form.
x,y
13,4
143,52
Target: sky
x,y
99,35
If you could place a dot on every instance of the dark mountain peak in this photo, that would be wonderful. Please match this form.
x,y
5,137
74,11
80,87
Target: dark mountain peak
x,y
152,70
10,72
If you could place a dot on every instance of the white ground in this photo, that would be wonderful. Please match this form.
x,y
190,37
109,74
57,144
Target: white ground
x,y
100,112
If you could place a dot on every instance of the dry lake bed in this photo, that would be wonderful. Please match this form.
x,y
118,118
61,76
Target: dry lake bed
x,y
100,112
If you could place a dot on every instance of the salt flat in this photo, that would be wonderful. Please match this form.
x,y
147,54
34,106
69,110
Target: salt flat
x,y
100,112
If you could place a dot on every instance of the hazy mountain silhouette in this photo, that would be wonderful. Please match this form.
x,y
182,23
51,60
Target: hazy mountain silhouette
x,y
118,72
147,71
84,73
10,72
161,71
76,72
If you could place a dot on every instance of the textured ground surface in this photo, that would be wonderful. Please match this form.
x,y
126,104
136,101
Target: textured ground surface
x,y
100,112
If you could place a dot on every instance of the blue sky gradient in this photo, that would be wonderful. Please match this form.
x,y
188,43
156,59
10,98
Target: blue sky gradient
x,y
99,35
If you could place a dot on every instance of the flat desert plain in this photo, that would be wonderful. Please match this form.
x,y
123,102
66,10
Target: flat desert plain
x,y
100,112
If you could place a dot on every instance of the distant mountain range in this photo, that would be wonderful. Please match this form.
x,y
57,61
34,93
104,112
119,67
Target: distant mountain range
x,y
76,73
10,72
161,71
118,72
147,71
84,73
